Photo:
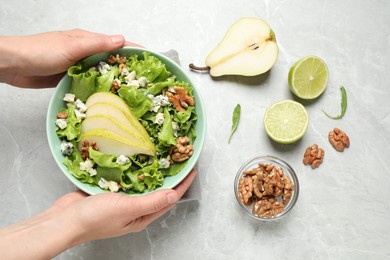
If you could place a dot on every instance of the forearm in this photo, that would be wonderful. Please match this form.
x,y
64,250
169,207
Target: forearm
x,y
40,237
8,58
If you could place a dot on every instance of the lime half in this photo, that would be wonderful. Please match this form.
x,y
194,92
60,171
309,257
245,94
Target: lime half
x,y
308,77
286,121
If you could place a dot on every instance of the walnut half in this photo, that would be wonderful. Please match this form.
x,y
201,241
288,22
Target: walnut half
x,y
85,149
338,139
180,99
313,156
182,151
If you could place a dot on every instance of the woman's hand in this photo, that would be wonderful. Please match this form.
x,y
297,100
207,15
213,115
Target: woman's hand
x,y
113,214
40,60
77,218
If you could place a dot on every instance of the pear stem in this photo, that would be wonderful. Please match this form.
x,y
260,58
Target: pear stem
x,y
193,67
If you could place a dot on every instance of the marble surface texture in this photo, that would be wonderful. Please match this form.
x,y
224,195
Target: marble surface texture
x,y
343,211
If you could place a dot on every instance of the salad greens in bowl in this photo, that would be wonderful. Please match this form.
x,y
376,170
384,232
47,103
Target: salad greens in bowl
x,y
128,121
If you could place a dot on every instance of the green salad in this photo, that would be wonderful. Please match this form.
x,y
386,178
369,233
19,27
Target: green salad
x,y
98,147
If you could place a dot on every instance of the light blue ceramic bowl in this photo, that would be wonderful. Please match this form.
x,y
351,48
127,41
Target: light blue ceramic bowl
x,y
56,103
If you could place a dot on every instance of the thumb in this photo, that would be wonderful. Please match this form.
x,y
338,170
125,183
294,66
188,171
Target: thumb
x,y
153,202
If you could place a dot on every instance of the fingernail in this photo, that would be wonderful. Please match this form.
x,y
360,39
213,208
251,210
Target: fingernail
x,y
172,197
116,39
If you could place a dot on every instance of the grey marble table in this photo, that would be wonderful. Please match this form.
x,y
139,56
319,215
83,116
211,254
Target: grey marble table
x,y
343,211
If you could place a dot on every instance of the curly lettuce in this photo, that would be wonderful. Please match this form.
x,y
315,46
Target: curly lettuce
x,y
72,131
136,99
83,81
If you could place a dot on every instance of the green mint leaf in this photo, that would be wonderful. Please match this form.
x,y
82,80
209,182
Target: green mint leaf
x,y
235,120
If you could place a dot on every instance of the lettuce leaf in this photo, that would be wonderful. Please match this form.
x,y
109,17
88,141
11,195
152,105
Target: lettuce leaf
x,y
107,160
84,81
173,169
150,67
72,131
136,99
132,183
187,122
72,163
166,136
104,82
153,177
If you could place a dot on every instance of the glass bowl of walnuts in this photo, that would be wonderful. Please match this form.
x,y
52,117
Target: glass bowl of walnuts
x,y
266,187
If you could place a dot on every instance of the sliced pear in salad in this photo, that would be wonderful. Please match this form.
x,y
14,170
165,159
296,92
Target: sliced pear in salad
x,y
109,110
111,124
111,143
109,119
119,103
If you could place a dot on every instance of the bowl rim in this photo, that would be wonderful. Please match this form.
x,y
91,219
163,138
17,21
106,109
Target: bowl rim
x,y
129,50
277,162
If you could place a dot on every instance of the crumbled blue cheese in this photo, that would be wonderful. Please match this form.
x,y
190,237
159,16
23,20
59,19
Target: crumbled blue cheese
x,y
92,172
79,114
80,106
61,123
103,67
130,76
122,159
159,118
108,185
134,83
69,97
142,81
158,101
87,166
66,148
164,162
175,128
124,72
172,90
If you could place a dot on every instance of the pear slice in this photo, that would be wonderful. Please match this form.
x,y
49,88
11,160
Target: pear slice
x,y
248,48
111,124
110,143
121,116
115,100
109,97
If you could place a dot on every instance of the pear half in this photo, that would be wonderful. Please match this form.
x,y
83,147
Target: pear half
x,y
248,48
111,143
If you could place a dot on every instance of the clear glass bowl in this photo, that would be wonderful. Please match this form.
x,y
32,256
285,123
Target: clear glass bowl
x,y
278,163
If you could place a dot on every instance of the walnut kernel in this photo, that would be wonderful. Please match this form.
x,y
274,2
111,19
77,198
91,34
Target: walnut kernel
x,y
180,99
116,84
85,149
182,151
245,188
116,59
62,115
338,139
313,156
268,208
